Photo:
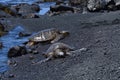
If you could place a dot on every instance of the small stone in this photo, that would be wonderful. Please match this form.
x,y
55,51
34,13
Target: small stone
x,y
23,34
31,57
83,49
105,53
97,41
12,62
98,79
11,76
9,62
29,50
35,52
2,28
119,68
116,21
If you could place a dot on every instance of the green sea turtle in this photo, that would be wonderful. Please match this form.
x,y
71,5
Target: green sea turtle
x,y
56,50
51,35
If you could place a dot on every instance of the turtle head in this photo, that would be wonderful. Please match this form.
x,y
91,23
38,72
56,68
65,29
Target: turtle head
x,y
65,33
30,43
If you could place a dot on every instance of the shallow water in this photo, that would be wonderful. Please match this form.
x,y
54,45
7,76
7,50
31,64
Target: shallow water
x,y
44,6
18,1
10,40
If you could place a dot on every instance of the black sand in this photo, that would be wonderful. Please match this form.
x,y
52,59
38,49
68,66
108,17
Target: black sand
x,y
99,32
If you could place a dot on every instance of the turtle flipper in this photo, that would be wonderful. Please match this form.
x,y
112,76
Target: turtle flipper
x,y
57,38
42,61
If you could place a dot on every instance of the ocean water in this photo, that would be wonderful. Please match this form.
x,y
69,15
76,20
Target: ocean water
x,y
18,1
10,40
44,6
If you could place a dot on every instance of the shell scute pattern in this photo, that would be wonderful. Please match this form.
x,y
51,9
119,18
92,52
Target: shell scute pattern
x,y
48,35
59,45
44,35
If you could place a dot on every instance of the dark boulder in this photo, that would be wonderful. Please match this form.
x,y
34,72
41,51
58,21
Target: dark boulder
x,y
3,5
7,9
17,51
35,7
30,15
2,28
77,2
97,5
5,24
110,6
58,2
117,4
23,34
25,8
60,8
4,14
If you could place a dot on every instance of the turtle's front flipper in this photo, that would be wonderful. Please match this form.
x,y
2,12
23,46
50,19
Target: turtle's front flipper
x,y
57,38
42,61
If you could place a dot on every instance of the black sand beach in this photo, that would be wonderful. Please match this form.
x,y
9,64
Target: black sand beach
x,y
98,32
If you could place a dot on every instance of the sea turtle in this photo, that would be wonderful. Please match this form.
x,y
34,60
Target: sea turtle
x,y
56,50
48,35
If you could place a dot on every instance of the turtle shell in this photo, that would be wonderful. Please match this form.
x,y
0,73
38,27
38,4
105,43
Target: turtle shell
x,y
59,45
44,35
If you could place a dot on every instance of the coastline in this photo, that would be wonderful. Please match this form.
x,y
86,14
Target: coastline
x,y
96,31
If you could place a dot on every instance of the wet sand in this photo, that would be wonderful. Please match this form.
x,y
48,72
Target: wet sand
x,y
98,32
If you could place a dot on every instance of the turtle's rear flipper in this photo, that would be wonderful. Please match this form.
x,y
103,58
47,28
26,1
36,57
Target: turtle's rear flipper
x,y
42,61
58,37
79,50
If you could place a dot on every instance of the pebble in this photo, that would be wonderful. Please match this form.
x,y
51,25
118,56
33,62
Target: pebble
x,y
11,76
35,52
31,57
12,62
